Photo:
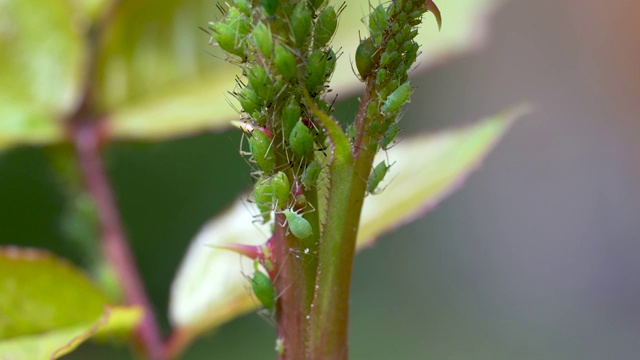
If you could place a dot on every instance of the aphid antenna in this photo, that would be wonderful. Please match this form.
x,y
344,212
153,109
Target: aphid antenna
x,y
256,218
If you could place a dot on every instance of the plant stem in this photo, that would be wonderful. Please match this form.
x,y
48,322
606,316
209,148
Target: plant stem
x,y
291,282
86,139
328,328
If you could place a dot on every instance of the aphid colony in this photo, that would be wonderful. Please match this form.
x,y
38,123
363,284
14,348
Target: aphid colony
x,y
282,48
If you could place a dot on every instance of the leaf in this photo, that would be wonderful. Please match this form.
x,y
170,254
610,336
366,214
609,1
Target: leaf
x,y
55,343
156,78
209,288
48,306
157,81
40,69
425,170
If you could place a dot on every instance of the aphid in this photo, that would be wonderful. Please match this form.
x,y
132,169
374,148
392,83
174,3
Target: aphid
x,y
298,225
301,140
365,57
331,63
270,6
376,177
271,192
259,81
378,20
226,36
397,98
301,23
263,198
389,135
280,189
325,27
249,100
285,62
381,75
244,6
315,71
311,173
262,38
263,289
262,151
290,115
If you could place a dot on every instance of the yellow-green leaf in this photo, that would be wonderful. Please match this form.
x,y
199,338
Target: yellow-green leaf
x,y
47,304
41,43
55,343
209,288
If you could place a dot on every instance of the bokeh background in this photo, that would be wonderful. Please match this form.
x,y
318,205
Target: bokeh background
x,y
537,257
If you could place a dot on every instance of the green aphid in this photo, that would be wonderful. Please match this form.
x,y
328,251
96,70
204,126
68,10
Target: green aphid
x,y
397,98
389,135
301,23
244,6
301,140
263,40
381,76
290,116
263,289
239,22
280,189
262,195
326,25
330,64
285,62
298,225
249,100
366,57
352,131
376,177
270,6
372,108
378,20
260,83
315,71
311,174
262,151
227,39
388,57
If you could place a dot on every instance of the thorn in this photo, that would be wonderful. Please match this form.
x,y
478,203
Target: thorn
x,y
433,8
250,251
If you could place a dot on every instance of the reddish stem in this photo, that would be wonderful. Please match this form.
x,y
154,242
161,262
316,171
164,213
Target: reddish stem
x,y
86,139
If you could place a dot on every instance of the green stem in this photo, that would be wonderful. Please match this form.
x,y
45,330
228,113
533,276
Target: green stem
x,y
328,328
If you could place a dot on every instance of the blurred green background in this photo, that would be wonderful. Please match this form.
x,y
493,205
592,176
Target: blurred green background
x,y
537,257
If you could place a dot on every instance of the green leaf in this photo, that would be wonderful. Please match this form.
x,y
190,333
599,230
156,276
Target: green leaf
x,y
55,343
48,305
210,289
42,47
156,80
